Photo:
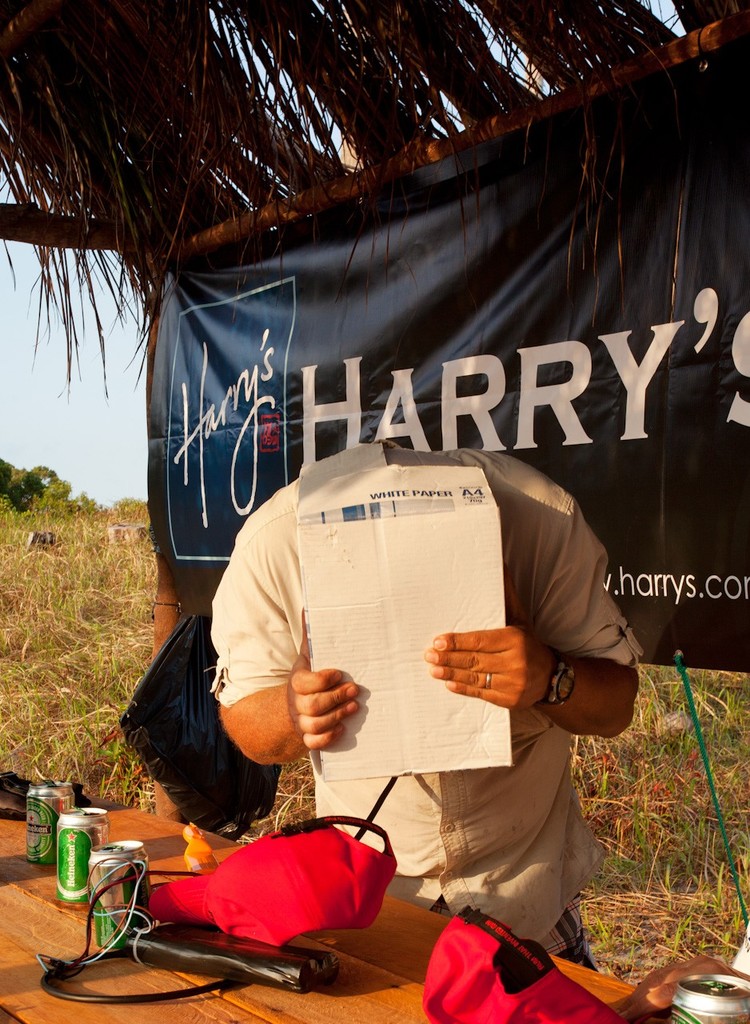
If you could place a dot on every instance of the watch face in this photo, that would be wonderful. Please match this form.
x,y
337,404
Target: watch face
x,y
565,684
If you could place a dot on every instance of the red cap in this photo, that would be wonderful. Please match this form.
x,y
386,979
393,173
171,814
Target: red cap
x,y
481,973
303,878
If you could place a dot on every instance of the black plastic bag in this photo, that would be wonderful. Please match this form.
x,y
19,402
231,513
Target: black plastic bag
x,y
13,791
173,724
13,796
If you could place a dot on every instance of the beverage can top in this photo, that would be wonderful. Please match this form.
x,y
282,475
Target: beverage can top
x,y
80,817
713,993
48,788
120,850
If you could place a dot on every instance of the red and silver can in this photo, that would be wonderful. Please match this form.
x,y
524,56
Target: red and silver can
x,y
45,801
118,871
78,832
711,999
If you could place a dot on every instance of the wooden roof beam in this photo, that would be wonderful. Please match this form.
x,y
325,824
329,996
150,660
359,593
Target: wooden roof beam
x,y
27,223
419,154
26,23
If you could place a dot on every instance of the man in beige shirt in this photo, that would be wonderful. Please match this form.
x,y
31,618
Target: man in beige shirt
x,y
509,840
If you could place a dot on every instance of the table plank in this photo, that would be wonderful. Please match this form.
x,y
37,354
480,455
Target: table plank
x,y
400,939
360,995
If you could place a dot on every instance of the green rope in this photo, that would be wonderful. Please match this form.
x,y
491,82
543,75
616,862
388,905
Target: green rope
x,y
678,660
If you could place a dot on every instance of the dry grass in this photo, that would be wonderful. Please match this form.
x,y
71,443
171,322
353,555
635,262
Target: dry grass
x,y
666,889
76,635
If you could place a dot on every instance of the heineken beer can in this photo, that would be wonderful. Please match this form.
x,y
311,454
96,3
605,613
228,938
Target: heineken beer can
x,y
117,871
711,999
78,831
45,801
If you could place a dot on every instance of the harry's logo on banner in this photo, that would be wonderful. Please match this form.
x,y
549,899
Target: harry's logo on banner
x,y
227,409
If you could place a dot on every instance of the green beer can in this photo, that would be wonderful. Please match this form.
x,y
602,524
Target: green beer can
x,y
78,832
117,869
45,801
711,999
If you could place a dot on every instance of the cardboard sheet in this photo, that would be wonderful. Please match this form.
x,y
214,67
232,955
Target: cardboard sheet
x,y
395,550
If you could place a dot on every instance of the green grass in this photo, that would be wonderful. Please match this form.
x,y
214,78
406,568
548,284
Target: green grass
x,y
76,636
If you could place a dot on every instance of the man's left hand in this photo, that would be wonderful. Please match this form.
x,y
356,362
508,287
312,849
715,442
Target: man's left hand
x,y
512,668
507,666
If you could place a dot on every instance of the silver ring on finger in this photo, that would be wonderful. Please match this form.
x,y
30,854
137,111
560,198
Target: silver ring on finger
x,y
488,681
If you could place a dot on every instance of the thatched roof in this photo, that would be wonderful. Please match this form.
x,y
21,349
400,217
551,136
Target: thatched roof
x,y
140,133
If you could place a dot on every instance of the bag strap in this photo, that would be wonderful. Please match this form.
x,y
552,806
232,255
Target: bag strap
x,y
315,824
378,804
519,962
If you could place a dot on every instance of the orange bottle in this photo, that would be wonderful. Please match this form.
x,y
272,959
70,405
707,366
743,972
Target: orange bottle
x,y
198,854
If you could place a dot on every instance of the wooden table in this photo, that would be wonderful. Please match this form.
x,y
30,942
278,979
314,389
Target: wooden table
x,y
381,969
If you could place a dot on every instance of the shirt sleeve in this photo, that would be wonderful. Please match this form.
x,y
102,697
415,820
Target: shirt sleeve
x,y
257,609
574,612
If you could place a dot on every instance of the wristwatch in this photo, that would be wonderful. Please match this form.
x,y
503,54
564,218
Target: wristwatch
x,y
561,683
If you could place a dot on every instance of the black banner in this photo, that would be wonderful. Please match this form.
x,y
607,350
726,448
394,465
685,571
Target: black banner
x,y
577,295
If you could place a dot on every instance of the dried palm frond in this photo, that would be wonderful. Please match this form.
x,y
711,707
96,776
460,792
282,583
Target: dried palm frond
x,y
130,126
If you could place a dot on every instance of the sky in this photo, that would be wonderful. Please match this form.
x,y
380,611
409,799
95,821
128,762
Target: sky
x,y
95,440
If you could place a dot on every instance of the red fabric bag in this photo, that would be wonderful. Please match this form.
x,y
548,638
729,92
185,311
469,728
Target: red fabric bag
x,y
481,973
304,877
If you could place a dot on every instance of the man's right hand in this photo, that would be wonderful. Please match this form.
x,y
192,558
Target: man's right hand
x,y
318,702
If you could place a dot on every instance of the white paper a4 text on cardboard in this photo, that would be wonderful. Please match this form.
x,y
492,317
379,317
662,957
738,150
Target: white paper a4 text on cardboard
x,y
392,555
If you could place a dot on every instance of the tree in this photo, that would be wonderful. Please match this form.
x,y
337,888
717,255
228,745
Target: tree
x,y
24,487
40,489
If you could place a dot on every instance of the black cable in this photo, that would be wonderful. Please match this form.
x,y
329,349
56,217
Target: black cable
x,y
62,971
51,980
